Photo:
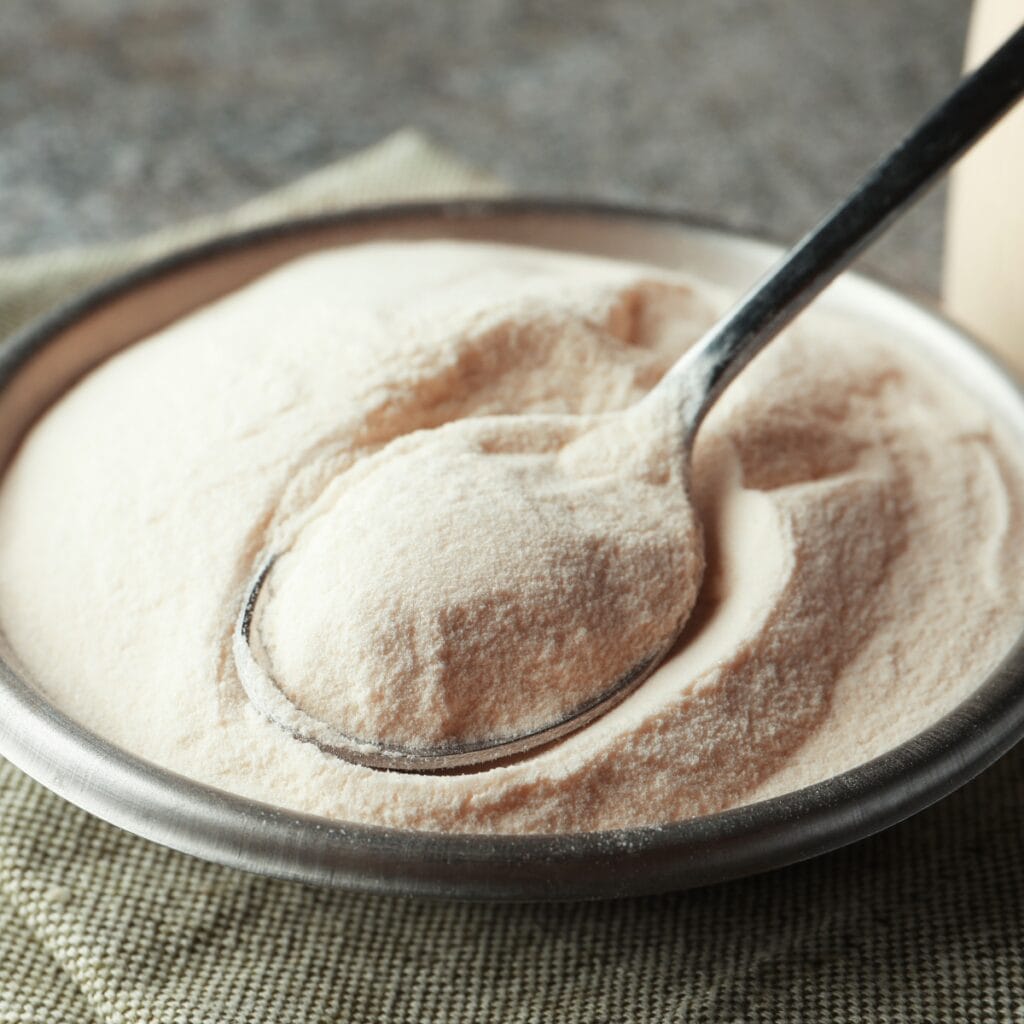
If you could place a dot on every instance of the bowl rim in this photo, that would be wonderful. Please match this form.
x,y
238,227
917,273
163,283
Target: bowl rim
x,y
198,819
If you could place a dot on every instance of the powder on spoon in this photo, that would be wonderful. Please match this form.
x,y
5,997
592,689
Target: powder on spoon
x,y
485,579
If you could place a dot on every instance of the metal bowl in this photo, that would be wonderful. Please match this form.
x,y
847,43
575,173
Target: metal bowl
x,y
39,364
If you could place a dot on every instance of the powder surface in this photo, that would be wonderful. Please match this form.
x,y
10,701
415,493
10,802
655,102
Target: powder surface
x,y
861,520
485,579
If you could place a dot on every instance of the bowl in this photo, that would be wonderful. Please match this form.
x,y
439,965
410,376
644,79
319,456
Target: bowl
x,y
39,364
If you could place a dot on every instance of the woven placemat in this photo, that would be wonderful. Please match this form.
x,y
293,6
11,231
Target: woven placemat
x,y
924,923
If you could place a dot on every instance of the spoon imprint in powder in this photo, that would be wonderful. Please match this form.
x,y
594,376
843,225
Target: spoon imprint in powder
x,y
472,592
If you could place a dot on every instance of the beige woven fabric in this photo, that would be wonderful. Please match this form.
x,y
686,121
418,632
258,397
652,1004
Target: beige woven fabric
x,y
924,923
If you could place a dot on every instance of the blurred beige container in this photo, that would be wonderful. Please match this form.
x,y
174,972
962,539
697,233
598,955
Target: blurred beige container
x,y
983,286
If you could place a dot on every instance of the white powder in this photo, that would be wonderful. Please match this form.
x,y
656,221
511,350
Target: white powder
x,y
486,578
861,517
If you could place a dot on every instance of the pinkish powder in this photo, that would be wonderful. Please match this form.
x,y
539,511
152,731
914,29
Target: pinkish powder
x,y
862,521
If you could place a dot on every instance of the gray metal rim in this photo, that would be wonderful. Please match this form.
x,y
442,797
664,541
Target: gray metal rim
x,y
200,820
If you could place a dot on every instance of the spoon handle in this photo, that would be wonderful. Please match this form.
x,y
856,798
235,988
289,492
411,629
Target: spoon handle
x,y
704,372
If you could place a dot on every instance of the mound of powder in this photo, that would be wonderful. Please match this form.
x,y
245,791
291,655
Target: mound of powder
x,y
861,514
485,579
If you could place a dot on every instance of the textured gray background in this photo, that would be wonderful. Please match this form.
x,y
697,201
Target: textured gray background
x,y
118,117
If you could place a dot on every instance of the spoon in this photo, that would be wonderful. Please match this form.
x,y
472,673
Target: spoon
x,y
687,391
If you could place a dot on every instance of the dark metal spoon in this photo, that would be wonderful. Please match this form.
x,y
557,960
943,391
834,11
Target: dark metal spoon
x,y
691,387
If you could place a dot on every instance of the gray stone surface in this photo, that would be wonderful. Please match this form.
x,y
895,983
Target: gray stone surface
x,y
117,117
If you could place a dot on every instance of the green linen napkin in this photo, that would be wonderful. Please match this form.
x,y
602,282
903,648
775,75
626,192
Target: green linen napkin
x,y
924,923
